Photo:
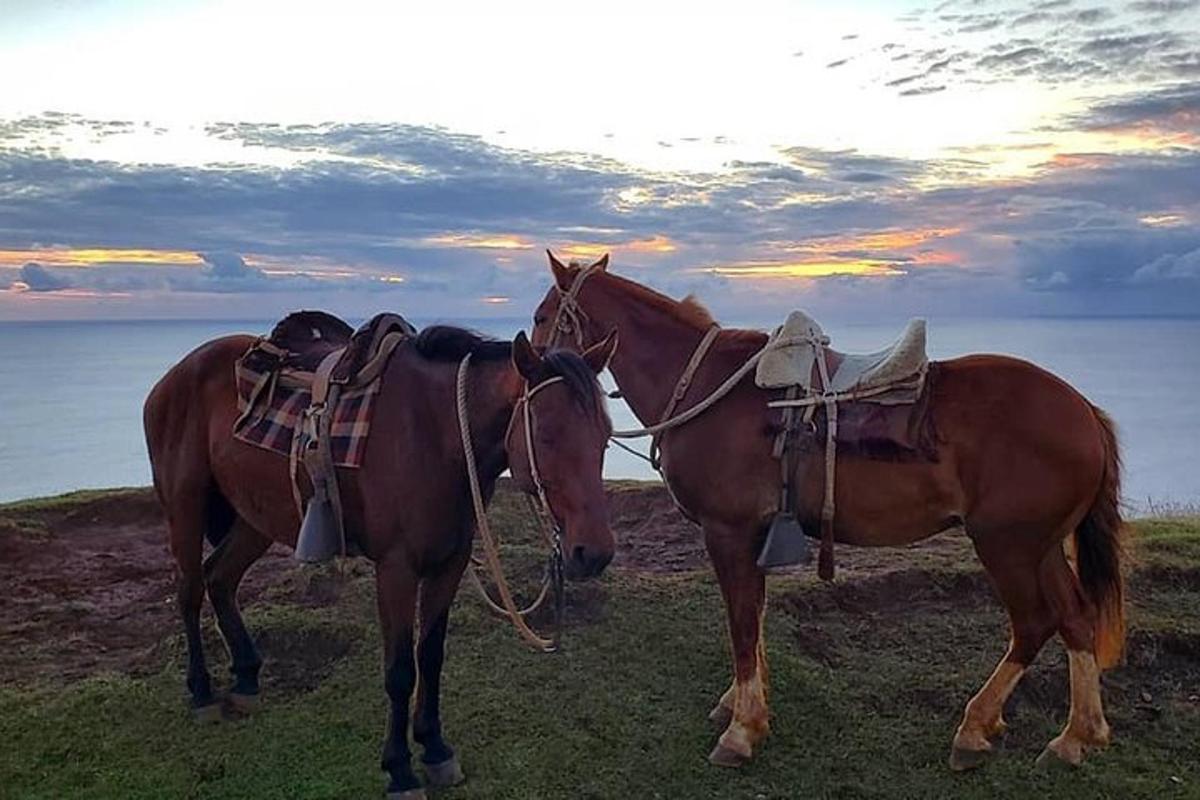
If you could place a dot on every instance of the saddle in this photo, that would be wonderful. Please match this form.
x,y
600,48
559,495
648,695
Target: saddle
x,y
873,406
306,391
791,360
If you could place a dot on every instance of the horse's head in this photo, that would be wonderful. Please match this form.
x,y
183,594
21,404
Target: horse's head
x,y
557,438
558,320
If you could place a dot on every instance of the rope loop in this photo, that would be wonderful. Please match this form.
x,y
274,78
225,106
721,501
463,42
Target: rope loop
x,y
490,550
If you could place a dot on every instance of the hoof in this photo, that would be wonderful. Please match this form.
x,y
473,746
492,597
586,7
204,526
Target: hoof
x,y
721,716
722,756
408,794
1059,753
962,759
243,704
447,773
207,715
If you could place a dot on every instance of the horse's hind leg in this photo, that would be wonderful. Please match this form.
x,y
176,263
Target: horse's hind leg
x,y
1086,726
1032,621
186,521
733,553
223,571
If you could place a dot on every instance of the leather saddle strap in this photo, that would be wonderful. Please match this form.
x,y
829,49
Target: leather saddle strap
x,y
825,561
783,450
312,443
682,386
320,386
379,359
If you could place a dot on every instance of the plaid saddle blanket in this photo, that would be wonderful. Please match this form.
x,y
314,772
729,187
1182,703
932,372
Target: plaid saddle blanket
x,y
275,377
272,409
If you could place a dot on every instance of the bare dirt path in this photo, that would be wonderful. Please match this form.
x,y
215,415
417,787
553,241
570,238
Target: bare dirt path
x,y
89,586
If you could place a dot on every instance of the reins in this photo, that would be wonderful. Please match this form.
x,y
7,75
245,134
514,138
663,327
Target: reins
x,y
554,575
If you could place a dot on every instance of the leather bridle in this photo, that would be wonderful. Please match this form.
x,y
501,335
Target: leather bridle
x,y
570,317
526,404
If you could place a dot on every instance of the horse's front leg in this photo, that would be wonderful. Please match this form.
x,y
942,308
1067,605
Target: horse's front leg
x,y
722,713
733,551
437,595
396,593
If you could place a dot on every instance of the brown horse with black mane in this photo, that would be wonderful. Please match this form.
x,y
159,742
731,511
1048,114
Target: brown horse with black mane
x,y
408,507
1020,460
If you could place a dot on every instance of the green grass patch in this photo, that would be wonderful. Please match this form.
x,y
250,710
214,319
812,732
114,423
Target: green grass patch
x,y
868,683
69,501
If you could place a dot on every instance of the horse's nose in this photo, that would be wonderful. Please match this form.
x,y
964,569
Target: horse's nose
x,y
587,561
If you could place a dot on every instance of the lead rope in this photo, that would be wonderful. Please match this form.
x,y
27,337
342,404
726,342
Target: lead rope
x,y
491,553
694,411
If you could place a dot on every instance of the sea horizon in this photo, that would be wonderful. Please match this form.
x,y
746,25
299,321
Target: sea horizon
x,y
86,434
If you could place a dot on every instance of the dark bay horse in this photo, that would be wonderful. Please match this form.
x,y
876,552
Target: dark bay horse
x,y
408,506
1023,463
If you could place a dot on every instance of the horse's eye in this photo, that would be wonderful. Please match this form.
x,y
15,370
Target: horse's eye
x,y
539,320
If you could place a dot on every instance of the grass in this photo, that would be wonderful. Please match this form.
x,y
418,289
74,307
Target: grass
x,y
64,502
867,689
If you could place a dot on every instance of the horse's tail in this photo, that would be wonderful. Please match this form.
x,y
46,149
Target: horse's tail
x,y
1099,547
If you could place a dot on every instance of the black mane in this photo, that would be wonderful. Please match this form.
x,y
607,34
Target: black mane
x,y
450,343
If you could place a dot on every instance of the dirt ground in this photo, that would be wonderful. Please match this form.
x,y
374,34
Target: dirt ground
x,y
89,586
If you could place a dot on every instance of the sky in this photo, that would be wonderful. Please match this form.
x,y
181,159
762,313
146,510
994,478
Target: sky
x,y
184,159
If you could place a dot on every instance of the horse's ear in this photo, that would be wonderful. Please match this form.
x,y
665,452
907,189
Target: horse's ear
x,y
598,355
525,358
601,264
561,272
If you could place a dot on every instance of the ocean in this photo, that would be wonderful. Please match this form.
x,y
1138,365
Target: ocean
x,y
71,392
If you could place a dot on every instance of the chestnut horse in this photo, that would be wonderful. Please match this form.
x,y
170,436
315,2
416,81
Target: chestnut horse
x,y
1023,462
408,506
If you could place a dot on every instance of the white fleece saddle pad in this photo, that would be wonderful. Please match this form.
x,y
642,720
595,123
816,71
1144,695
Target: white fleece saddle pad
x,y
791,355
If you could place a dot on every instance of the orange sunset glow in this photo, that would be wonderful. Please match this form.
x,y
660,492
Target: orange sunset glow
x,y
90,257
805,269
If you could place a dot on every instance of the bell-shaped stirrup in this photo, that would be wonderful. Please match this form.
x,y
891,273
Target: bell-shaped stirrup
x,y
786,545
319,538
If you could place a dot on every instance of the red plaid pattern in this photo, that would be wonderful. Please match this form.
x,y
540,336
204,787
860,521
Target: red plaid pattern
x,y
271,415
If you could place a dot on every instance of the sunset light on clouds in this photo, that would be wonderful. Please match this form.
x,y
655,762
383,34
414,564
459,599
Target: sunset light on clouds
x,y
1040,156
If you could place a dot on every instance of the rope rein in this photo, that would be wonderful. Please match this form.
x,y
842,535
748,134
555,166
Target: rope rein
x,y
491,553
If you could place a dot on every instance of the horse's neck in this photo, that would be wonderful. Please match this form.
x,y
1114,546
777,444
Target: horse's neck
x,y
654,350
495,388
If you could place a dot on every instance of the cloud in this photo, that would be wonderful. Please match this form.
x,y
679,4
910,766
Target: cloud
x,y
1164,6
39,279
922,90
1172,109
229,266
1170,268
437,219
1058,43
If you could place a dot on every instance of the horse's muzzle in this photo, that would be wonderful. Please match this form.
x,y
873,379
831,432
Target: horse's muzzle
x,y
584,562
